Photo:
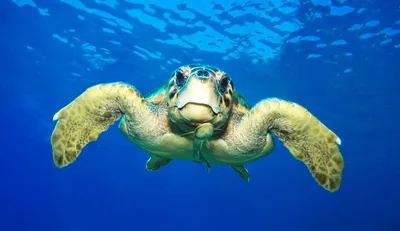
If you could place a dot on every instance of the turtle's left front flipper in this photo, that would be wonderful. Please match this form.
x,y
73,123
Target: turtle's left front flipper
x,y
303,134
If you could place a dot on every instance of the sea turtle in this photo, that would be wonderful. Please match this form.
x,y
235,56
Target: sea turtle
x,y
198,116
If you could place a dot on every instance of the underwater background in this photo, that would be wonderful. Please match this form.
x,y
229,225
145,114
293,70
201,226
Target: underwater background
x,y
337,58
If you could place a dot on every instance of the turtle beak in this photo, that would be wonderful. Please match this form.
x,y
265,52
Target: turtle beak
x,y
198,99
199,90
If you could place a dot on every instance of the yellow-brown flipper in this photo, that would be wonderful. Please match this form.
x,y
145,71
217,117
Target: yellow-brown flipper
x,y
90,114
302,133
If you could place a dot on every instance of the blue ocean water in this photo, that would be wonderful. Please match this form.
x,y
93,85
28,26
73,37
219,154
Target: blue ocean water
x,y
337,58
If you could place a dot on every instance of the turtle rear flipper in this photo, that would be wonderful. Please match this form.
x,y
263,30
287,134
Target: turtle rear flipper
x,y
302,133
90,114
242,171
154,163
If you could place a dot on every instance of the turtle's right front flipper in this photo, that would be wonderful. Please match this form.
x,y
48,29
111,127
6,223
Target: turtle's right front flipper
x,y
90,114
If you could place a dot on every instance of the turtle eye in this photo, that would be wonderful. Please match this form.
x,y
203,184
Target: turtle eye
x,y
223,84
180,79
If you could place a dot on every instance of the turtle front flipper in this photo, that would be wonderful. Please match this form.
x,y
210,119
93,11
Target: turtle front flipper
x,y
90,114
302,133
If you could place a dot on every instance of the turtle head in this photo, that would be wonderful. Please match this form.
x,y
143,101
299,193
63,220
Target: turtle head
x,y
199,94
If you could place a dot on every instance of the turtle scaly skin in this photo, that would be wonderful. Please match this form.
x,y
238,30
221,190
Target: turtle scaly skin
x,y
198,116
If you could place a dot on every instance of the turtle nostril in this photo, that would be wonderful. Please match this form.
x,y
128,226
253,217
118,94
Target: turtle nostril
x,y
203,73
